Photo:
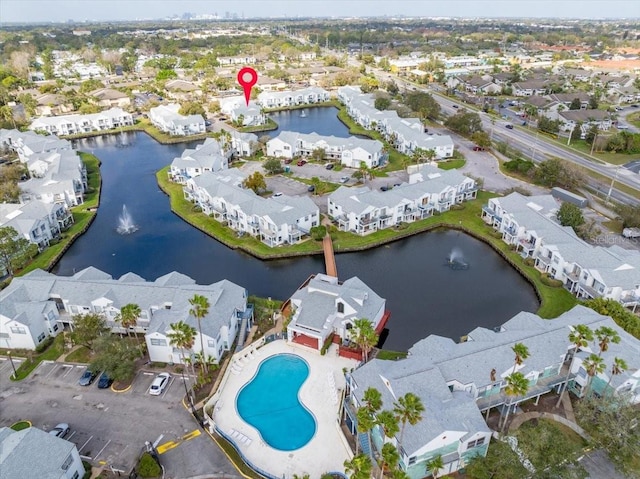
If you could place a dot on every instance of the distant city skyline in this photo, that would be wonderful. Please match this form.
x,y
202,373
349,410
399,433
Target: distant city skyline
x,y
38,11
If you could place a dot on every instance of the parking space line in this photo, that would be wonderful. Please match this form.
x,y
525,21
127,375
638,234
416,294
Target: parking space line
x,y
70,369
83,446
101,450
166,390
72,434
52,370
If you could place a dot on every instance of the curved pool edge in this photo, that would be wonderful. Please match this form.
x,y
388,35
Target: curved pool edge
x,y
301,403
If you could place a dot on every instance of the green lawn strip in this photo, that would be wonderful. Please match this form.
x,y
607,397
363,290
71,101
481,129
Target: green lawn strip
x,y
554,300
82,218
52,353
391,355
80,355
268,126
186,210
619,186
451,164
634,119
326,186
583,147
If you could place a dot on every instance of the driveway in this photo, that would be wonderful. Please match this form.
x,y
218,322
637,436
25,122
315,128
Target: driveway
x,y
110,429
599,466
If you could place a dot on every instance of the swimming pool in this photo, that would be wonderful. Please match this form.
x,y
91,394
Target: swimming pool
x,y
269,402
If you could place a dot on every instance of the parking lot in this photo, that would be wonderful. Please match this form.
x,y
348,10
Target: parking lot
x,y
109,428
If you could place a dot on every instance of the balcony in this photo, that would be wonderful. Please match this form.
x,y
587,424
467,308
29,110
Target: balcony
x,y
542,386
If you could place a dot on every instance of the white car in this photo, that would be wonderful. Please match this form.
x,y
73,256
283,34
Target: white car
x,y
159,384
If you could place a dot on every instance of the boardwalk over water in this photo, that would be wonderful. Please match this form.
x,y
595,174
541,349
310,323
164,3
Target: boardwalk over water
x,y
329,257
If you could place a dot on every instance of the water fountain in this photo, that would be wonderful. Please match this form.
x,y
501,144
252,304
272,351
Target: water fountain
x,y
125,222
456,260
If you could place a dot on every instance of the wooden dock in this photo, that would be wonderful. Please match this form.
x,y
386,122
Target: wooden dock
x,y
329,257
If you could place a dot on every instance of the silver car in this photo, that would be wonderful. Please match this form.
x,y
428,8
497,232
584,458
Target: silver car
x,y
61,430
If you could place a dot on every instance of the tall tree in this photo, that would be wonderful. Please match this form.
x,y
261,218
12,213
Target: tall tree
x,y
435,465
521,353
517,385
408,409
389,458
359,467
255,182
364,336
618,367
182,336
199,309
594,365
115,356
128,316
388,422
15,251
605,336
87,328
579,338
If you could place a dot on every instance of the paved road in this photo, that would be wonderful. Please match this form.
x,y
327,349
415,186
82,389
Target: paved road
x,y
531,145
599,466
110,429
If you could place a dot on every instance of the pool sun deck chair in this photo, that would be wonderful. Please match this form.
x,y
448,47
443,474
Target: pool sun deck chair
x,y
246,441
234,433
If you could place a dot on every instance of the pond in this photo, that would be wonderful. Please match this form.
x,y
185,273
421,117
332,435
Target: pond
x,y
423,294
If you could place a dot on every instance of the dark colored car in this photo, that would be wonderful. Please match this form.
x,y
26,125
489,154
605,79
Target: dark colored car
x,y
478,148
287,161
455,106
509,127
87,378
301,162
104,381
311,188
329,166
384,188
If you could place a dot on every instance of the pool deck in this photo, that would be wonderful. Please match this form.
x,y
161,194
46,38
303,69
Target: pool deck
x,y
327,450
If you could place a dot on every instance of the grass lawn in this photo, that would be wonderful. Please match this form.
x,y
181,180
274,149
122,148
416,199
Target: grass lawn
x,y
52,353
554,300
451,164
80,355
82,217
20,425
268,126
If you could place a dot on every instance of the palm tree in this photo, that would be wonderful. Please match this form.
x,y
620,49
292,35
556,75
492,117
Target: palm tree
x,y
618,367
521,353
366,422
388,421
182,336
594,364
517,385
389,457
435,465
365,336
605,336
128,316
359,467
408,409
399,474
579,338
200,308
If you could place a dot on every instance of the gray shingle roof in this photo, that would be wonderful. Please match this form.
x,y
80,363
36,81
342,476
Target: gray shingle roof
x,y
32,453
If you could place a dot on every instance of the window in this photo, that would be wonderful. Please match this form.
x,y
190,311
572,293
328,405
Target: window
x,y
211,343
158,342
412,460
55,327
41,337
476,443
340,307
76,475
18,330
67,462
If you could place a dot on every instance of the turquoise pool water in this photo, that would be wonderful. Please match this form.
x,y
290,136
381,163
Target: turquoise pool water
x,y
269,402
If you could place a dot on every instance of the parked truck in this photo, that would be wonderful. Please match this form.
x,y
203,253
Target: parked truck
x,y
631,232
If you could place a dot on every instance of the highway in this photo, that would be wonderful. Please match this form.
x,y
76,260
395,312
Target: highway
x,y
533,145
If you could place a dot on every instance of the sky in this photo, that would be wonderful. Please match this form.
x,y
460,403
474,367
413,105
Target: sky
x,y
105,10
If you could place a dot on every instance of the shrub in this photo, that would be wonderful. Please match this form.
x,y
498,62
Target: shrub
x,y
549,281
44,344
326,345
148,467
318,232
530,262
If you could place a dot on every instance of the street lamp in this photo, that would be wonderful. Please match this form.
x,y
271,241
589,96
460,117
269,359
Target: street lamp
x,y
13,366
613,180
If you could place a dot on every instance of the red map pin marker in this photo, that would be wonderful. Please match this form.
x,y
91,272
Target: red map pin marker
x,y
247,77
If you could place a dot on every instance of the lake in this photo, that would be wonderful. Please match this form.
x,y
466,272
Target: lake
x,y
424,295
